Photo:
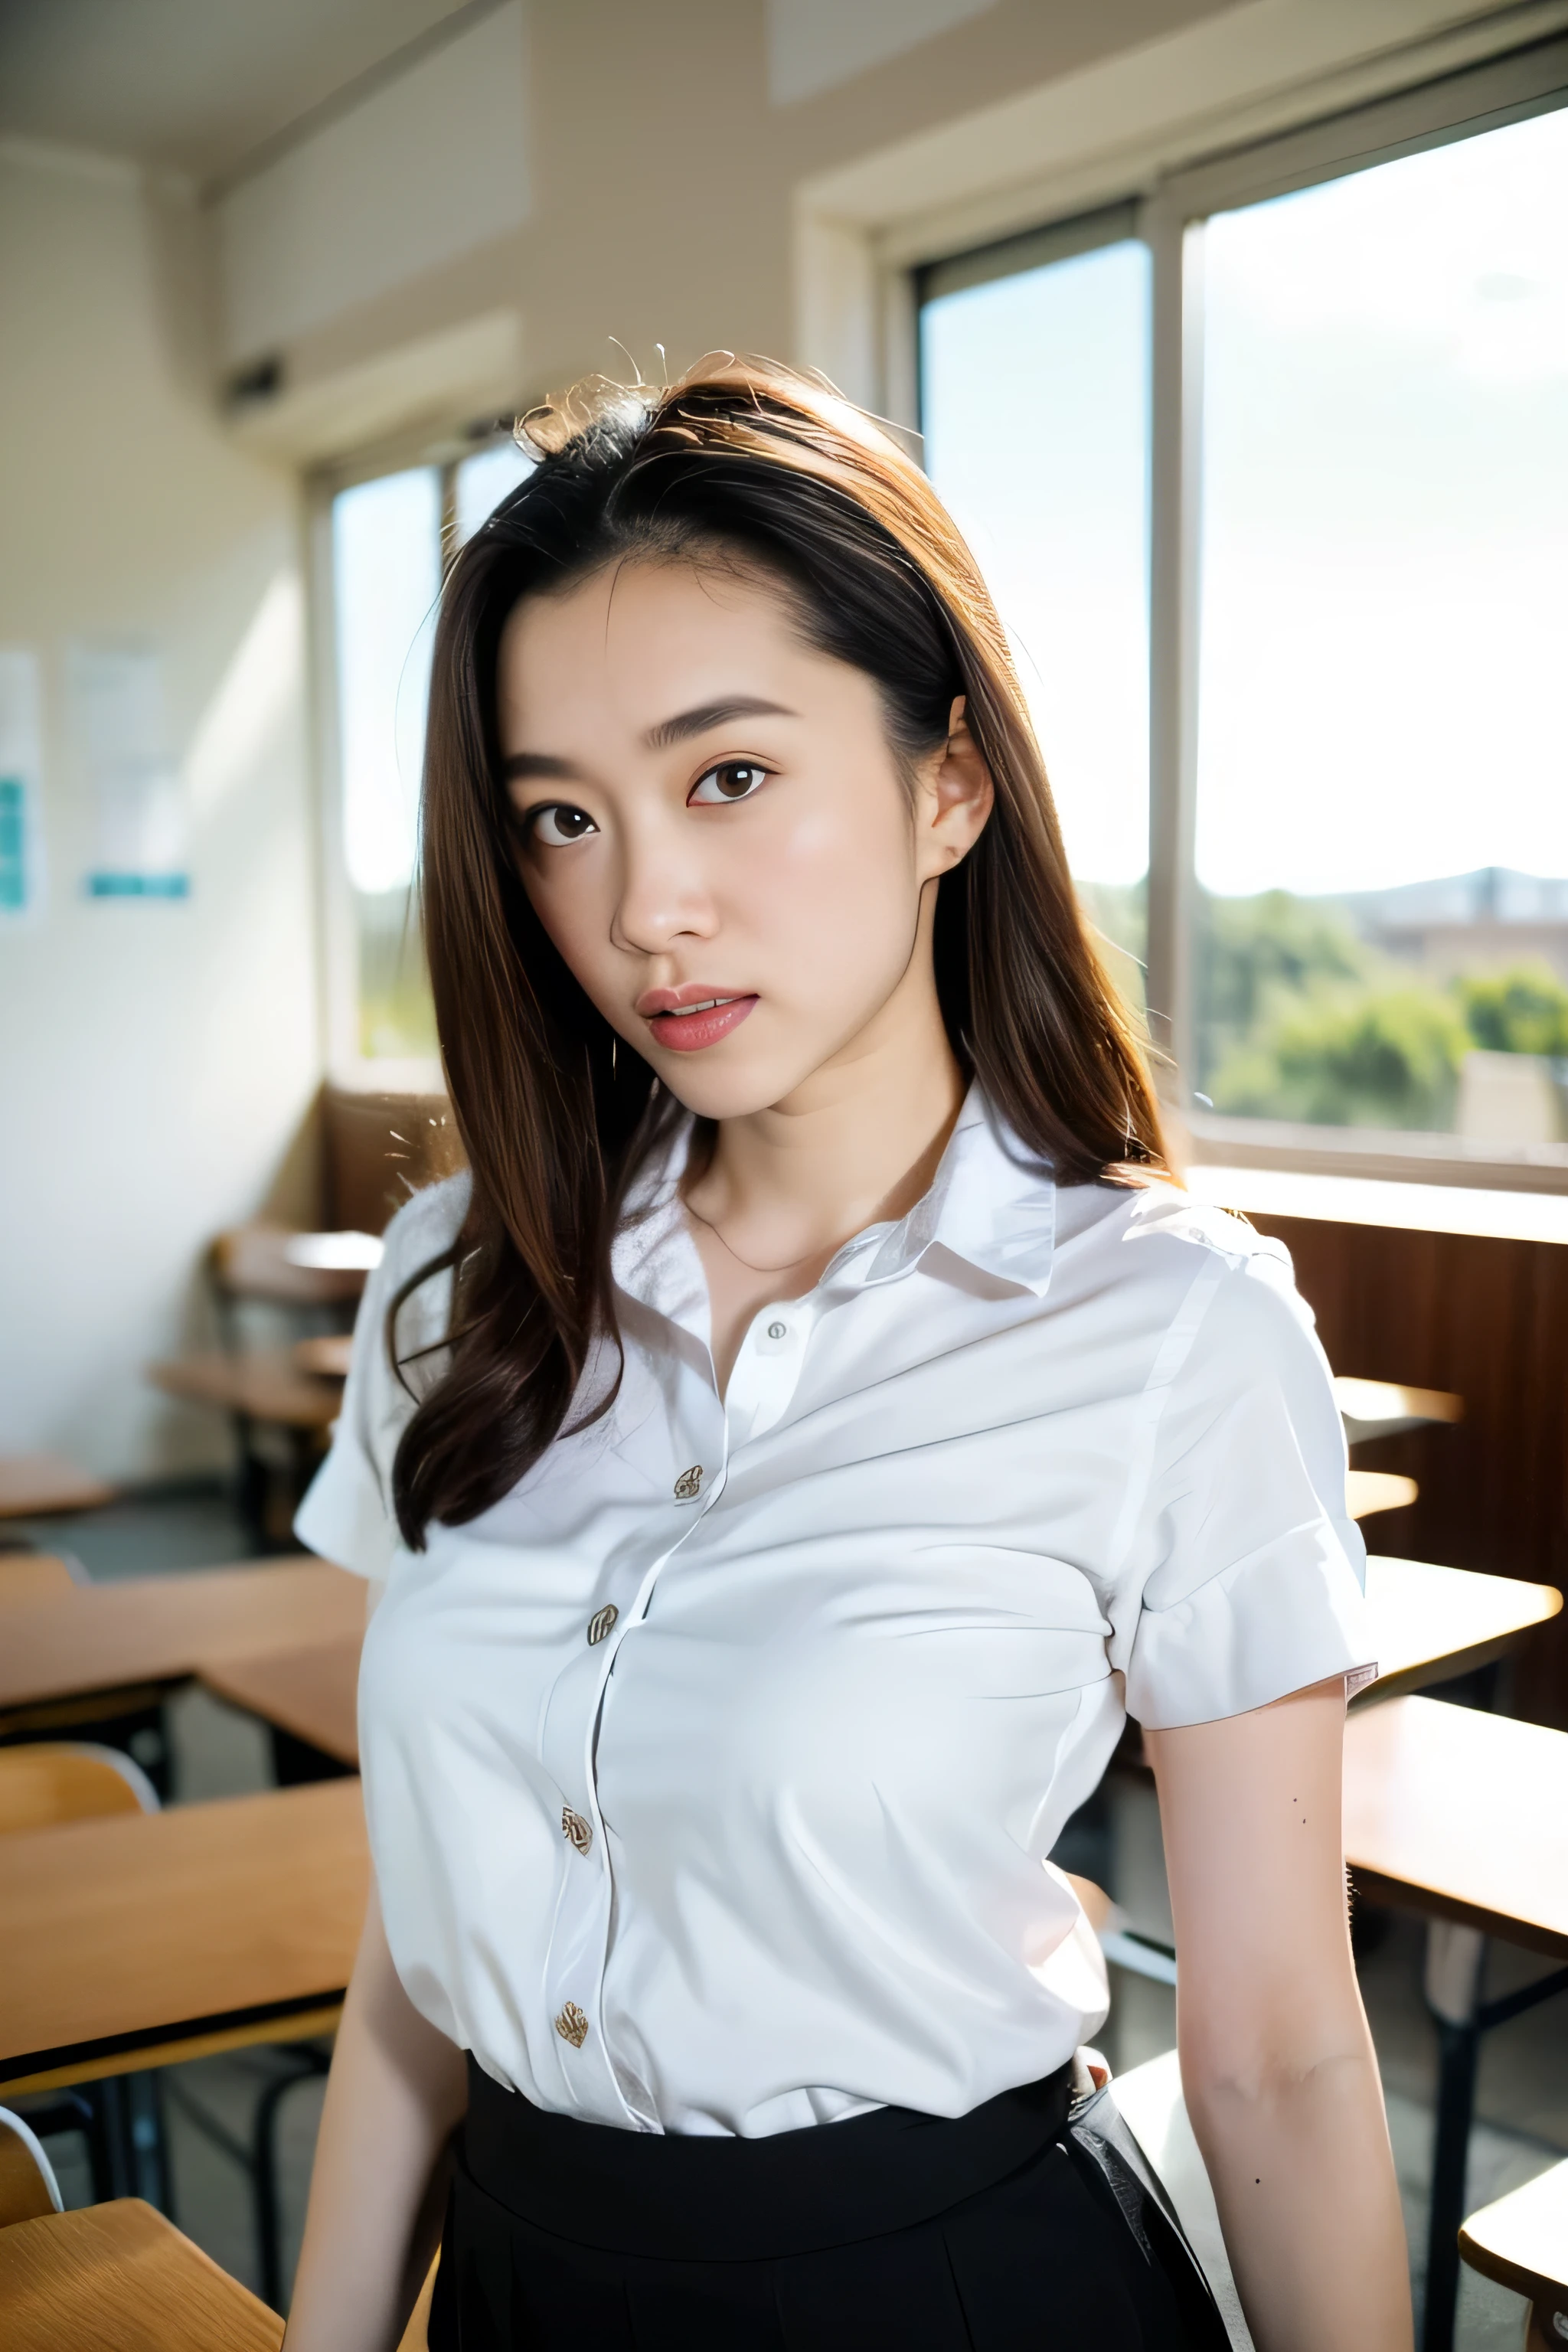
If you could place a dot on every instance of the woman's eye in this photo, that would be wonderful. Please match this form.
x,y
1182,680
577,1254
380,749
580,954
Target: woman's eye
x,y
732,780
557,826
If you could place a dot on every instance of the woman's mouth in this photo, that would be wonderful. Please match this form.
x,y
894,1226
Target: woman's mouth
x,y
686,1028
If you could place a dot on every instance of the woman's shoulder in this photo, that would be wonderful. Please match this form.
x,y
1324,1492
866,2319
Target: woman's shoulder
x,y
1180,1266
1155,1227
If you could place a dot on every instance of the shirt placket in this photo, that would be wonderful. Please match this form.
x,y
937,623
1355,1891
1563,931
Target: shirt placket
x,y
767,1369
579,1942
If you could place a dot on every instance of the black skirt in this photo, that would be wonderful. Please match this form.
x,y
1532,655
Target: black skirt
x,y
995,2231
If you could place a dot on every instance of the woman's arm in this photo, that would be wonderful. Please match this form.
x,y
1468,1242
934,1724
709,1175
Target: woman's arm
x,y
397,2091
1278,2066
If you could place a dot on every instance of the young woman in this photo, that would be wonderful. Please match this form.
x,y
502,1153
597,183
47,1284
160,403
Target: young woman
x,y
783,1462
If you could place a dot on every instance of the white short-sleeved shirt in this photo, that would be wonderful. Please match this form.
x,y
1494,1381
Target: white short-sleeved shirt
x,y
711,1775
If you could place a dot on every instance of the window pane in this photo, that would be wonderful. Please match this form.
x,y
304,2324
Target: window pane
x,y
483,480
386,571
1382,810
1035,392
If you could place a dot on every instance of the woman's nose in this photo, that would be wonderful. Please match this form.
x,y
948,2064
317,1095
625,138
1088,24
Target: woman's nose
x,y
664,897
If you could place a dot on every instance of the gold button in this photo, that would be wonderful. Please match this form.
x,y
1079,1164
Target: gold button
x,y
575,1830
572,2025
600,1623
688,1484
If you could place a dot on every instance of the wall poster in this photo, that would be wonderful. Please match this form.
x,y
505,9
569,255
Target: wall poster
x,y
135,805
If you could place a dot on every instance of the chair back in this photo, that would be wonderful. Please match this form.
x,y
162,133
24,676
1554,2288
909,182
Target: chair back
x,y
33,1576
28,2189
45,1782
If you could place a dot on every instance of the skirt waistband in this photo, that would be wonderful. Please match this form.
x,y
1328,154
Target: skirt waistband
x,y
685,2198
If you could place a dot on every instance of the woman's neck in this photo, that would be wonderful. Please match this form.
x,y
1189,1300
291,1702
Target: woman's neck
x,y
858,1143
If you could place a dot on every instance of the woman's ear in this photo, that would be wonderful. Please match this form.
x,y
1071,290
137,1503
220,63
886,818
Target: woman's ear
x,y
955,797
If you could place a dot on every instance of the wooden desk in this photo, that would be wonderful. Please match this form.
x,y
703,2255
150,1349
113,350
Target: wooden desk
x,y
152,1631
263,1386
329,1355
34,1484
118,2278
311,1690
1522,2242
1460,1815
1372,1409
1367,1491
1430,1624
152,1937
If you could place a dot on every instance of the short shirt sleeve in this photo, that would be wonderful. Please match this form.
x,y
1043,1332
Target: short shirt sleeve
x,y
1248,1574
347,1514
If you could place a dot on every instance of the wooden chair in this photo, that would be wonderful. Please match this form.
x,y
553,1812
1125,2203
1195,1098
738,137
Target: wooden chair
x,y
28,2189
119,2278
46,1781
1522,2241
34,1576
42,1784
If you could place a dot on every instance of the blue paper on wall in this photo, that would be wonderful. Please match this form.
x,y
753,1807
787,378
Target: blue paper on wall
x,y
135,802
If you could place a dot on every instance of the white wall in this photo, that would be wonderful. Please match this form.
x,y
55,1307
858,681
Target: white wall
x,y
155,1060
424,169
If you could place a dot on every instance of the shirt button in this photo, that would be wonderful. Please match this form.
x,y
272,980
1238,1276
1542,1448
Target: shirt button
x,y
572,2025
689,1484
778,1331
575,1830
600,1623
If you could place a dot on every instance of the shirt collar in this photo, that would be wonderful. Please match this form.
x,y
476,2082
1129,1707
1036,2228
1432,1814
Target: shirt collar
x,y
991,1202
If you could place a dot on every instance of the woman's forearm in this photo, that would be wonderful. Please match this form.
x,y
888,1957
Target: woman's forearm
x,y
1304,2177
395,2093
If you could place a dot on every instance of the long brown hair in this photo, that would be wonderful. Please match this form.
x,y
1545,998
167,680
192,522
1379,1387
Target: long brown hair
x,y
748,462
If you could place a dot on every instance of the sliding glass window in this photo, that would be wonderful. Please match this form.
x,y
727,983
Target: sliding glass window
x,y
386,537
1034,374
1357,439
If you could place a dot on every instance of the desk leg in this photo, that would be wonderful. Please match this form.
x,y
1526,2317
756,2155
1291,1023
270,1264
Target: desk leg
x,y
1456,1959
264,2167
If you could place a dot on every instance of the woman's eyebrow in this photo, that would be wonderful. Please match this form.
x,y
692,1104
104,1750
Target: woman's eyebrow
x,y
696,721
538,763
552,768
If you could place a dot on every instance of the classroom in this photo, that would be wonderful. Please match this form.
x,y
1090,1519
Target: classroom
x,y
1104,468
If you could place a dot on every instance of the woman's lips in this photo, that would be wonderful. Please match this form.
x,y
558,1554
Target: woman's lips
x,y
689,1032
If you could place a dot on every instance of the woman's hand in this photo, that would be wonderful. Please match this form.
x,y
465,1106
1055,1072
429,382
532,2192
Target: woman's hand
x,y
1278,2066
397,2093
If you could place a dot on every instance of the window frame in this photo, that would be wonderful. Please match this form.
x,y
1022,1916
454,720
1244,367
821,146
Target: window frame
x,y
1168,217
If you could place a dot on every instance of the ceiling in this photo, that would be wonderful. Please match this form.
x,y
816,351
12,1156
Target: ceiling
x,y
201,87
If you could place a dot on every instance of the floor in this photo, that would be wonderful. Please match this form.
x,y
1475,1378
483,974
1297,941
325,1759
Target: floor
x,y
1523,2123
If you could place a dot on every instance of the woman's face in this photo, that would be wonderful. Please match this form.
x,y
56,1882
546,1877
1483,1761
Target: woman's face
x,y
715,833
